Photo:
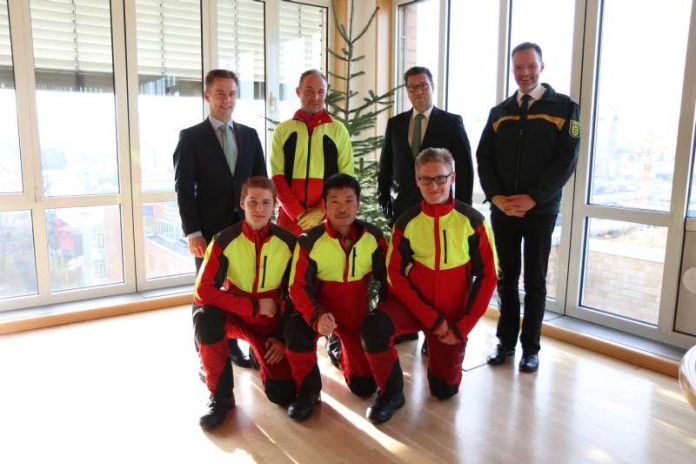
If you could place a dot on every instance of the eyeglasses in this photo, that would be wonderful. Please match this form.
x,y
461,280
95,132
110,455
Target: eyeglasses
x,y
422,86
439,180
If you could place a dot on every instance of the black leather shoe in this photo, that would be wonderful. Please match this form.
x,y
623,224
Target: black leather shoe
x,y
529,363
334,349
424,348
238,358
406,338
217,410
384,408
500,356
303,407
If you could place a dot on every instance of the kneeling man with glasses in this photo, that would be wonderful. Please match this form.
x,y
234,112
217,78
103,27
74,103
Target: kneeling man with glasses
x,y
441,271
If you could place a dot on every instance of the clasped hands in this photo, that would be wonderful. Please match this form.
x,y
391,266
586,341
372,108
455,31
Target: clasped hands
x,y
445,334
514,205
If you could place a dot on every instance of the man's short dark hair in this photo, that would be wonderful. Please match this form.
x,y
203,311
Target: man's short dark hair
x,y
340,181
527,46
308,72
418,70
219,74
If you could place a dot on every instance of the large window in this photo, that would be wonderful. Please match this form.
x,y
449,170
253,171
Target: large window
x,y
418,41
86,174
617,246
170,88
632,160
76,112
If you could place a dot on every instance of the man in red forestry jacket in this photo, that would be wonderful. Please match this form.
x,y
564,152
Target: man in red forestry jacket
x,y
333,265
441,267
240,291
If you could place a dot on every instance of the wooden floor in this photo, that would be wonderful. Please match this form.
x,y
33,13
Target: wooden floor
x,y
126,390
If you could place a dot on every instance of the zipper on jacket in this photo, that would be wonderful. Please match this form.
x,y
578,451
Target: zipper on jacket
x,y
444,238
355,253
309,159
263,274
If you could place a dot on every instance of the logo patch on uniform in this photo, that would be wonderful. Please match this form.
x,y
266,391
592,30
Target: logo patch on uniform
x,y
574,129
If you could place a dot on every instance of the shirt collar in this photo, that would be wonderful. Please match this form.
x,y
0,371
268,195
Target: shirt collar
x,y
536,94
425,113
217,123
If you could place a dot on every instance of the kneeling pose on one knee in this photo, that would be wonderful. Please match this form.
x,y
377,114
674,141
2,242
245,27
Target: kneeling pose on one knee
x,y
441,267
333,265
241,288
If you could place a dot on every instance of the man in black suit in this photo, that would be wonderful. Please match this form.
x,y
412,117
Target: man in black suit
x,y
211,162
404,140
408,133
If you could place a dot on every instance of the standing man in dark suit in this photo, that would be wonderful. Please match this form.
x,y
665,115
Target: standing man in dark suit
x,y
211,162
404,139
423,126
528,151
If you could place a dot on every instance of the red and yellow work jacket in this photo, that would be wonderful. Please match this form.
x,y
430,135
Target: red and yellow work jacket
x,y
241,266
441,264
305,151
331,274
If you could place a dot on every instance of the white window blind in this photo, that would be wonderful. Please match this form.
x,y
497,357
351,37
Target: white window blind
x,y
303,31
6,74
241,39
72,44
169,39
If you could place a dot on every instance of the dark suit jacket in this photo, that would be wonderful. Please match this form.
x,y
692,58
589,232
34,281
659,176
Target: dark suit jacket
x,y
397,165
207,195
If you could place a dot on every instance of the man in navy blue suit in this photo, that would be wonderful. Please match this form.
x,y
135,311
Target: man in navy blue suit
x,y
211,162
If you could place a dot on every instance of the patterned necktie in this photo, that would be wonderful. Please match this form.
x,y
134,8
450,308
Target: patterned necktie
x,y
229,146
416,139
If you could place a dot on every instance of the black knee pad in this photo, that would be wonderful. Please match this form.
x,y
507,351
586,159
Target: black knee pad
x,y
441,389
376,331
362,386
280,392
209,325
299,336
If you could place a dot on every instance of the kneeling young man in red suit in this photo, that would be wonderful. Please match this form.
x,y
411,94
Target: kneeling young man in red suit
x,y
441,269
333,266
241,291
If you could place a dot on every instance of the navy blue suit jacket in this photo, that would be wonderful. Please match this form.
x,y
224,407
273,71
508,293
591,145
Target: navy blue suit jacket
x,y
206,191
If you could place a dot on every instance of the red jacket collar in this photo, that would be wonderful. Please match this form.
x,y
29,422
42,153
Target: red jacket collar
x,y
256,236
437,210
313,120
353,234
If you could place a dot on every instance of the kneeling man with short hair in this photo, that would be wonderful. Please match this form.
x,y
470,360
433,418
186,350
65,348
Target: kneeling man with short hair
x,y
441,267
241,290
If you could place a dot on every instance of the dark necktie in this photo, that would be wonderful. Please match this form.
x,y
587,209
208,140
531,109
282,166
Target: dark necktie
x,y
523,113
524,107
